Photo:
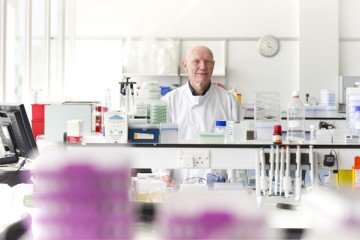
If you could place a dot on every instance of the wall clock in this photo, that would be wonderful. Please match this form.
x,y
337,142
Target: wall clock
x,y
268,46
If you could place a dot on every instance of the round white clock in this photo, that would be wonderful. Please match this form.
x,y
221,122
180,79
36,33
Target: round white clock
x,y
268,46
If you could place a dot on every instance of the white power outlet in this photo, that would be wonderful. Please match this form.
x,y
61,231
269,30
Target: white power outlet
x,y
194,159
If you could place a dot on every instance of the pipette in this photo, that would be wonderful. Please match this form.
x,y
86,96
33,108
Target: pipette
x,y
298,174
282,163
263,180
312,166
287,178
257,173
271,171
277,167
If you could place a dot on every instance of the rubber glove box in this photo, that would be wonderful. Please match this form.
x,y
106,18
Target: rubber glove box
x,y
143,133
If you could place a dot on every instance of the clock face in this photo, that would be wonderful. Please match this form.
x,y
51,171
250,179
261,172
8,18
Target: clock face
x,y
268,46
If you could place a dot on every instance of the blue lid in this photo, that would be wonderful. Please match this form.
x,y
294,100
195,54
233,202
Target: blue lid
x,y
220,123
357,108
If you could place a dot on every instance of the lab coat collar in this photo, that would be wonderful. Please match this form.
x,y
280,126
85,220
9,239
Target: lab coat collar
x,y
193,90
194,99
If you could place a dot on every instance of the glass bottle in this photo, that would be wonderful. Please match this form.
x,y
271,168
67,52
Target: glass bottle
x,y
277,135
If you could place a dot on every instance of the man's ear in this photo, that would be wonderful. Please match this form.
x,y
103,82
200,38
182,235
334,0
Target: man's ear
x,y
184,65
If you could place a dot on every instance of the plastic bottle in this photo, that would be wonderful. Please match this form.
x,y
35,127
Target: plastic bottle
x,y
220,126
296,119
356,121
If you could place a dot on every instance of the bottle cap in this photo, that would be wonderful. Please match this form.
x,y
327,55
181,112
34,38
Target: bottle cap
x,y
357,108
277,128
295,93
220,123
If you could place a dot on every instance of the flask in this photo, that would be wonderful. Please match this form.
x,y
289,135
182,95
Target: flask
x,y
296,119
277,135
356,121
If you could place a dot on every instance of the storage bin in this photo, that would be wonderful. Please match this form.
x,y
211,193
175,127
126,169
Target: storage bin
x,y
168,133
143,133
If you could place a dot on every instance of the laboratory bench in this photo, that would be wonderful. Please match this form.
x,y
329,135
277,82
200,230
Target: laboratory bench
x,y
293,223
221,156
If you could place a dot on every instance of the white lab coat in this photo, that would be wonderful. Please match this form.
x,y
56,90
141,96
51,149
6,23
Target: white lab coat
x,y
194,114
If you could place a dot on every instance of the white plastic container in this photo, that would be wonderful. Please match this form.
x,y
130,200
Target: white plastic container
x,y
168,133
296,119
356,121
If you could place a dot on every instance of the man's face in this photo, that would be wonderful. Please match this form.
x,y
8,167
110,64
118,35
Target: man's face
x,y
199,64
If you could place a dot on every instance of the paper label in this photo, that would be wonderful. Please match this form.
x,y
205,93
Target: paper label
x,y
147,136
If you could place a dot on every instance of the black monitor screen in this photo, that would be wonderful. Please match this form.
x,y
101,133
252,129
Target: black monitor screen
x,y
16,134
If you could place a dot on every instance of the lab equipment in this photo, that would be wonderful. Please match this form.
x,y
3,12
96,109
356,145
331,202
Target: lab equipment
x,y
127,89
169,133
271,170
298,174
144,133
277,169
277,135
220,126
356,121
158,111
212,137
312,166
356,173
267,114
16,134
287,178
282,168
296,119
312,133
263,178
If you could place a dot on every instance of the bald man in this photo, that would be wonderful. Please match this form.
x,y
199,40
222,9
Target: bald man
x,y
195,107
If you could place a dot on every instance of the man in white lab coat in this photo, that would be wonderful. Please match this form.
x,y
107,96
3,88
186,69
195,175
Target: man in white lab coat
x,y
195,107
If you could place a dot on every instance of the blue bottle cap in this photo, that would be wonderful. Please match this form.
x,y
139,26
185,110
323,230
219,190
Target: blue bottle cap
x,y
220,123
357,108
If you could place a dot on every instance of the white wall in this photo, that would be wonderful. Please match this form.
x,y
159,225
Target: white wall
x,y
241,23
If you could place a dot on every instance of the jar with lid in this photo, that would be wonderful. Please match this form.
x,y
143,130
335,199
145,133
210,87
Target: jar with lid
x,y
220,126
277,135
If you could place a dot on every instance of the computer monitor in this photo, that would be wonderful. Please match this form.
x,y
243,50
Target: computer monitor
x,y
16,134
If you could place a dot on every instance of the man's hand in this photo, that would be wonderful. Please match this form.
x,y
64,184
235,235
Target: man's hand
x,y
168,180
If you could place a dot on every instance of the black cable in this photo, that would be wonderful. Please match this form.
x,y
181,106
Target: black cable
x,y
12,174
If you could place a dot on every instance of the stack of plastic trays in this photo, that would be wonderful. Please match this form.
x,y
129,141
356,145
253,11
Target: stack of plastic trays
x,y
153,90
267,113
352,100
158,112
79,200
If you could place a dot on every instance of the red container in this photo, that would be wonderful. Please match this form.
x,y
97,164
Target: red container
x,y
37,128
38,112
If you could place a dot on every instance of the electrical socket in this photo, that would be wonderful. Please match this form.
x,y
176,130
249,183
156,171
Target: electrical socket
x,y
194,159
